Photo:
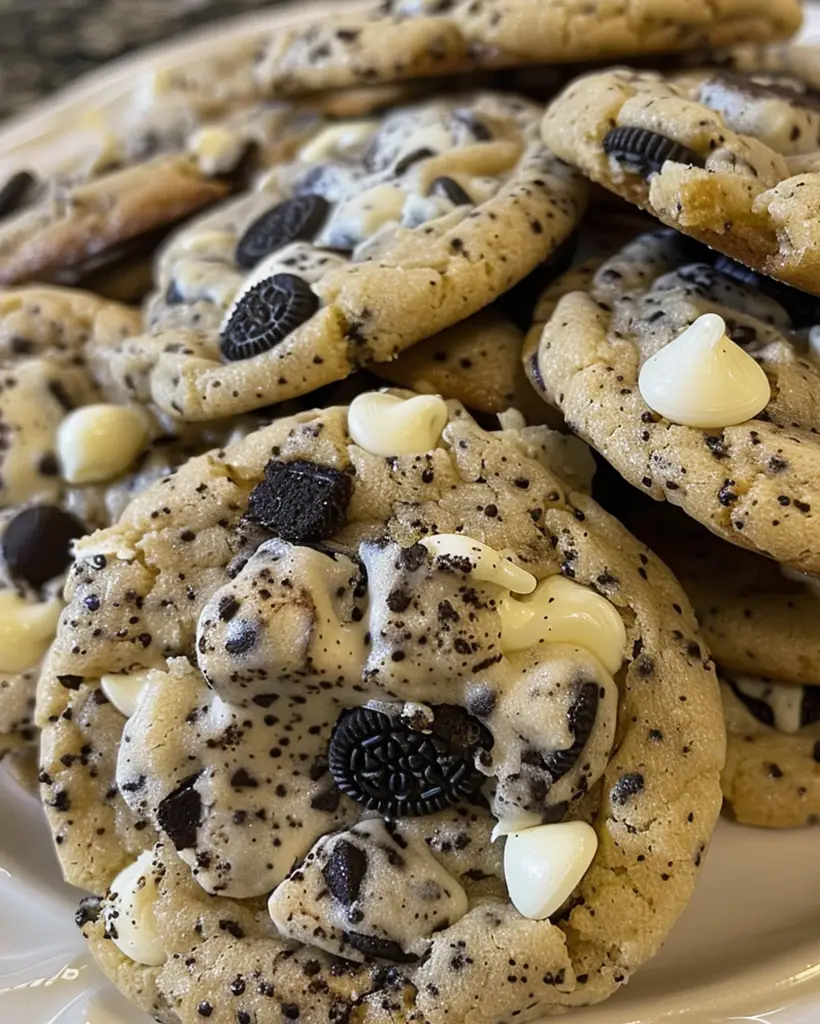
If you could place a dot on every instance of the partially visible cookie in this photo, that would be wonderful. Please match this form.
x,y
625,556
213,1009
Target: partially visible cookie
x,y
755,482
731,158
406,38
382,233
326,695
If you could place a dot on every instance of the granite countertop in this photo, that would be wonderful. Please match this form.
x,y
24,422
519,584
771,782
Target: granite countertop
x,y
46,43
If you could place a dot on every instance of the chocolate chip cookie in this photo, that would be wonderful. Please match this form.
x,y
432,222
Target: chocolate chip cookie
x,y
730,157
382,233
306,737
627,363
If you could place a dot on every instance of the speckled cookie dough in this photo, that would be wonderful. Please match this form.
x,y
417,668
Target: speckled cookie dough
x,y
301,672
730,157
760,625
70,462
409,38
753,481
376,237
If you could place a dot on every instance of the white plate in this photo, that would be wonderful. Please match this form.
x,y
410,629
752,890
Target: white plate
x,y
746,951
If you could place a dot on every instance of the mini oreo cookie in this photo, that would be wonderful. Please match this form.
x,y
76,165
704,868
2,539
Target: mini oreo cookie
x,y
382,763
266,314
295,219
14,193
36,544
645,152
301,502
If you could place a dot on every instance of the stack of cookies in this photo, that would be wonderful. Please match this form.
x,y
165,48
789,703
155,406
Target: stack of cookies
x,y
348,385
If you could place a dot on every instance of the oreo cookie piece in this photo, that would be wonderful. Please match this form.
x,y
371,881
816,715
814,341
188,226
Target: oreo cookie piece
x,y
15,191
301,502
267,314
36,543
380,949
645,152
345,871
581,722
382,763
179,813
803,309
451,189
295,219
764,712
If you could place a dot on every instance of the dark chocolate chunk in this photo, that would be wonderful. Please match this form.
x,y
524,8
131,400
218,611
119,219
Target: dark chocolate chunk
x,y
13,194
267,314
645,152
450,189
345,871
301,501
385,765
179,813
36,543
296,219
581,717
626,787
380,949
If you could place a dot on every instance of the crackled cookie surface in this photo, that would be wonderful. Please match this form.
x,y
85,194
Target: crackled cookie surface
x,y
70,462
336,689
751,479
729,157
366,244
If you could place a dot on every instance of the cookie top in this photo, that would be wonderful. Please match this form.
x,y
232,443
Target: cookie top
x,y
335,694
729,157
364,245
754,483
408,38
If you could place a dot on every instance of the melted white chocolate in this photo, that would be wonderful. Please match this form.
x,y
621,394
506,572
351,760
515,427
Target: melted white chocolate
x,y
785,701
124,689
26,630
703,379
337,140
386,425
560,611
488,565
543,865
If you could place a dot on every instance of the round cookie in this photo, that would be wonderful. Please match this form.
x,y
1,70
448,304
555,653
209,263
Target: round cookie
x,y
760,626
363,246
69,464
731,158
313,584
754,483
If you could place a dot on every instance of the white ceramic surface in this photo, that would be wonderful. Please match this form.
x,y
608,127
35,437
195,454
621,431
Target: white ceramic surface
x,y
746,951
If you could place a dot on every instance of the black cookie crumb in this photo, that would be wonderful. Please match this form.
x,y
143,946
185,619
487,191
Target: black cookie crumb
x,y
301,501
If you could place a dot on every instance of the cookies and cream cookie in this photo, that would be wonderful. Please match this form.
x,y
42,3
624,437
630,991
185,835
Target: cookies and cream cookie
x,y
696,384
382,233
730,157
369,711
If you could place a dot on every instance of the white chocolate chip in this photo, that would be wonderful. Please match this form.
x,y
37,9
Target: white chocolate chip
x,y
26,630
703,379
386,425
98,442
543,865
216,149
337,140
124,689
785,701
488,565
561,611
130,912
512,419
518,822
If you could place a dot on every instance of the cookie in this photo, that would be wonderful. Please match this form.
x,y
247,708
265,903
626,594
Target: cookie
x,y
338,721
747,472
121,193
760,626
70,462
404,38
727,157
371,240
477,362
